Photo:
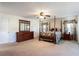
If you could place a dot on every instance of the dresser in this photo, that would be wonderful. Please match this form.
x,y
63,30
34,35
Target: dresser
x,y
69,37
24,35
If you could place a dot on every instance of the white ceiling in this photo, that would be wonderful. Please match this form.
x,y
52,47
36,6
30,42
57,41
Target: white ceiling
x,y
27,9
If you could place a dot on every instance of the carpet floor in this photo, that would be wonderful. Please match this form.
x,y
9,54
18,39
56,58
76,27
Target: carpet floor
x,y
40,48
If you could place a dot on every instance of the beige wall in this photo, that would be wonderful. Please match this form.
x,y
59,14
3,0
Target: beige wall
x,y
78,30
51,22
34,26
58,23
9,25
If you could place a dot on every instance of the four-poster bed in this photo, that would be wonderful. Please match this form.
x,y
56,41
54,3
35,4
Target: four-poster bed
x,y
47,29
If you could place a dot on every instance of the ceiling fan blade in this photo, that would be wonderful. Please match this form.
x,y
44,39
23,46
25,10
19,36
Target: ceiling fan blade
x,y
47,15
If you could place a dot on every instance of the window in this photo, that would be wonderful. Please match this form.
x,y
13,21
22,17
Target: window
x,y
44,27
70,28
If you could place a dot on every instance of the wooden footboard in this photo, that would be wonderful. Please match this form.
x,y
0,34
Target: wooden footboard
x,y
49,38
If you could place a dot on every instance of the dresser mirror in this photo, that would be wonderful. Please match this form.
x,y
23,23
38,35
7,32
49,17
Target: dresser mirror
x,y
24,25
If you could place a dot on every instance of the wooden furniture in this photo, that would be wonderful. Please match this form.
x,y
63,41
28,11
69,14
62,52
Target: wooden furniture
x,y
24,31
69,36
24,35
70,30
50,37
24,25
50,25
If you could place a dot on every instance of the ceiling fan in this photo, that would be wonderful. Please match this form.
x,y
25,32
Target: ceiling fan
x,y
40,15
43,15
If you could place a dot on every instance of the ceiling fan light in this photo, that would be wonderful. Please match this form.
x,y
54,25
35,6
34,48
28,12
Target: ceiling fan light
x,y
41,17
41,14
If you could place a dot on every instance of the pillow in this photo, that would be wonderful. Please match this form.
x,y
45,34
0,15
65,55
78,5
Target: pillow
x,y
48,34
43,34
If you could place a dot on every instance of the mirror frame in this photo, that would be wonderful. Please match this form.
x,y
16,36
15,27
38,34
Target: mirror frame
x,y
24,22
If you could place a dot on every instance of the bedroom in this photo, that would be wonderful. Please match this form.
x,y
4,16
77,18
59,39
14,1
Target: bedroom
x,y
61,15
